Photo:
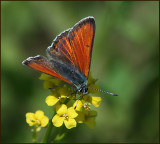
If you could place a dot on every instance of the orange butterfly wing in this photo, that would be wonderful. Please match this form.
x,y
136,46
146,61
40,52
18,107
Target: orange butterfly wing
x,y
81,39
61,49
43,65
71,50
75,45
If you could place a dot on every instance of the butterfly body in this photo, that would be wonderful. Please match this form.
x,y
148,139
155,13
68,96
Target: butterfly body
x,y
69,72
69,55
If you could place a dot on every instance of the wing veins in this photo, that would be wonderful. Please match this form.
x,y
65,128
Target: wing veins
x,y
66,55
81,47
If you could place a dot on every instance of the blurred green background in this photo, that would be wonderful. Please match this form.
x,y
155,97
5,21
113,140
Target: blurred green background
x,y
125,60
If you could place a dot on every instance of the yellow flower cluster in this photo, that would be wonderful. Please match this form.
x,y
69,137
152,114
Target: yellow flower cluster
x,y
69,110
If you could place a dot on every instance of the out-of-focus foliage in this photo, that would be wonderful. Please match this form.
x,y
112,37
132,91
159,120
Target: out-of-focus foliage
x,y
125,61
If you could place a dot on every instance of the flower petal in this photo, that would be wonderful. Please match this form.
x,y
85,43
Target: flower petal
x,y
61,109
70,123
72,113
30,115
79,105
44,121
96,101
30,119
57,120
51,100
39,114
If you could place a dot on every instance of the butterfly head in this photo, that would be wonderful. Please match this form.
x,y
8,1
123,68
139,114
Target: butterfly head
x,y
84,90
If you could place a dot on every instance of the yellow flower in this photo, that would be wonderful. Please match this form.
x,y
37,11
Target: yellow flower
x,y
87,117
37,119
65,115
86,101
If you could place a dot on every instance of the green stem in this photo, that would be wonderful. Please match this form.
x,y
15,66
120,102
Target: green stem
x,y
34,136
60,134
48,131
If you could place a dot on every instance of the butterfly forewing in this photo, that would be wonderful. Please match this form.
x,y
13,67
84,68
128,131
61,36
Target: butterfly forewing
x,y
43,65
81,39
75,45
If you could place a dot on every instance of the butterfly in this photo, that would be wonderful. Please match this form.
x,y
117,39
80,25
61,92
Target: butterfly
x,y
69,56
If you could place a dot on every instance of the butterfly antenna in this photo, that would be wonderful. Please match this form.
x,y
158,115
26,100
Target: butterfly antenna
x,y
103,91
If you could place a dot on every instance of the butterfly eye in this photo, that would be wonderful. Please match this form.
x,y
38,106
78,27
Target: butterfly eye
x,y
84,90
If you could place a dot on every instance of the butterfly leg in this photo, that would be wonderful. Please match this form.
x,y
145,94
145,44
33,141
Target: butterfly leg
x,y
77,102
70,94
